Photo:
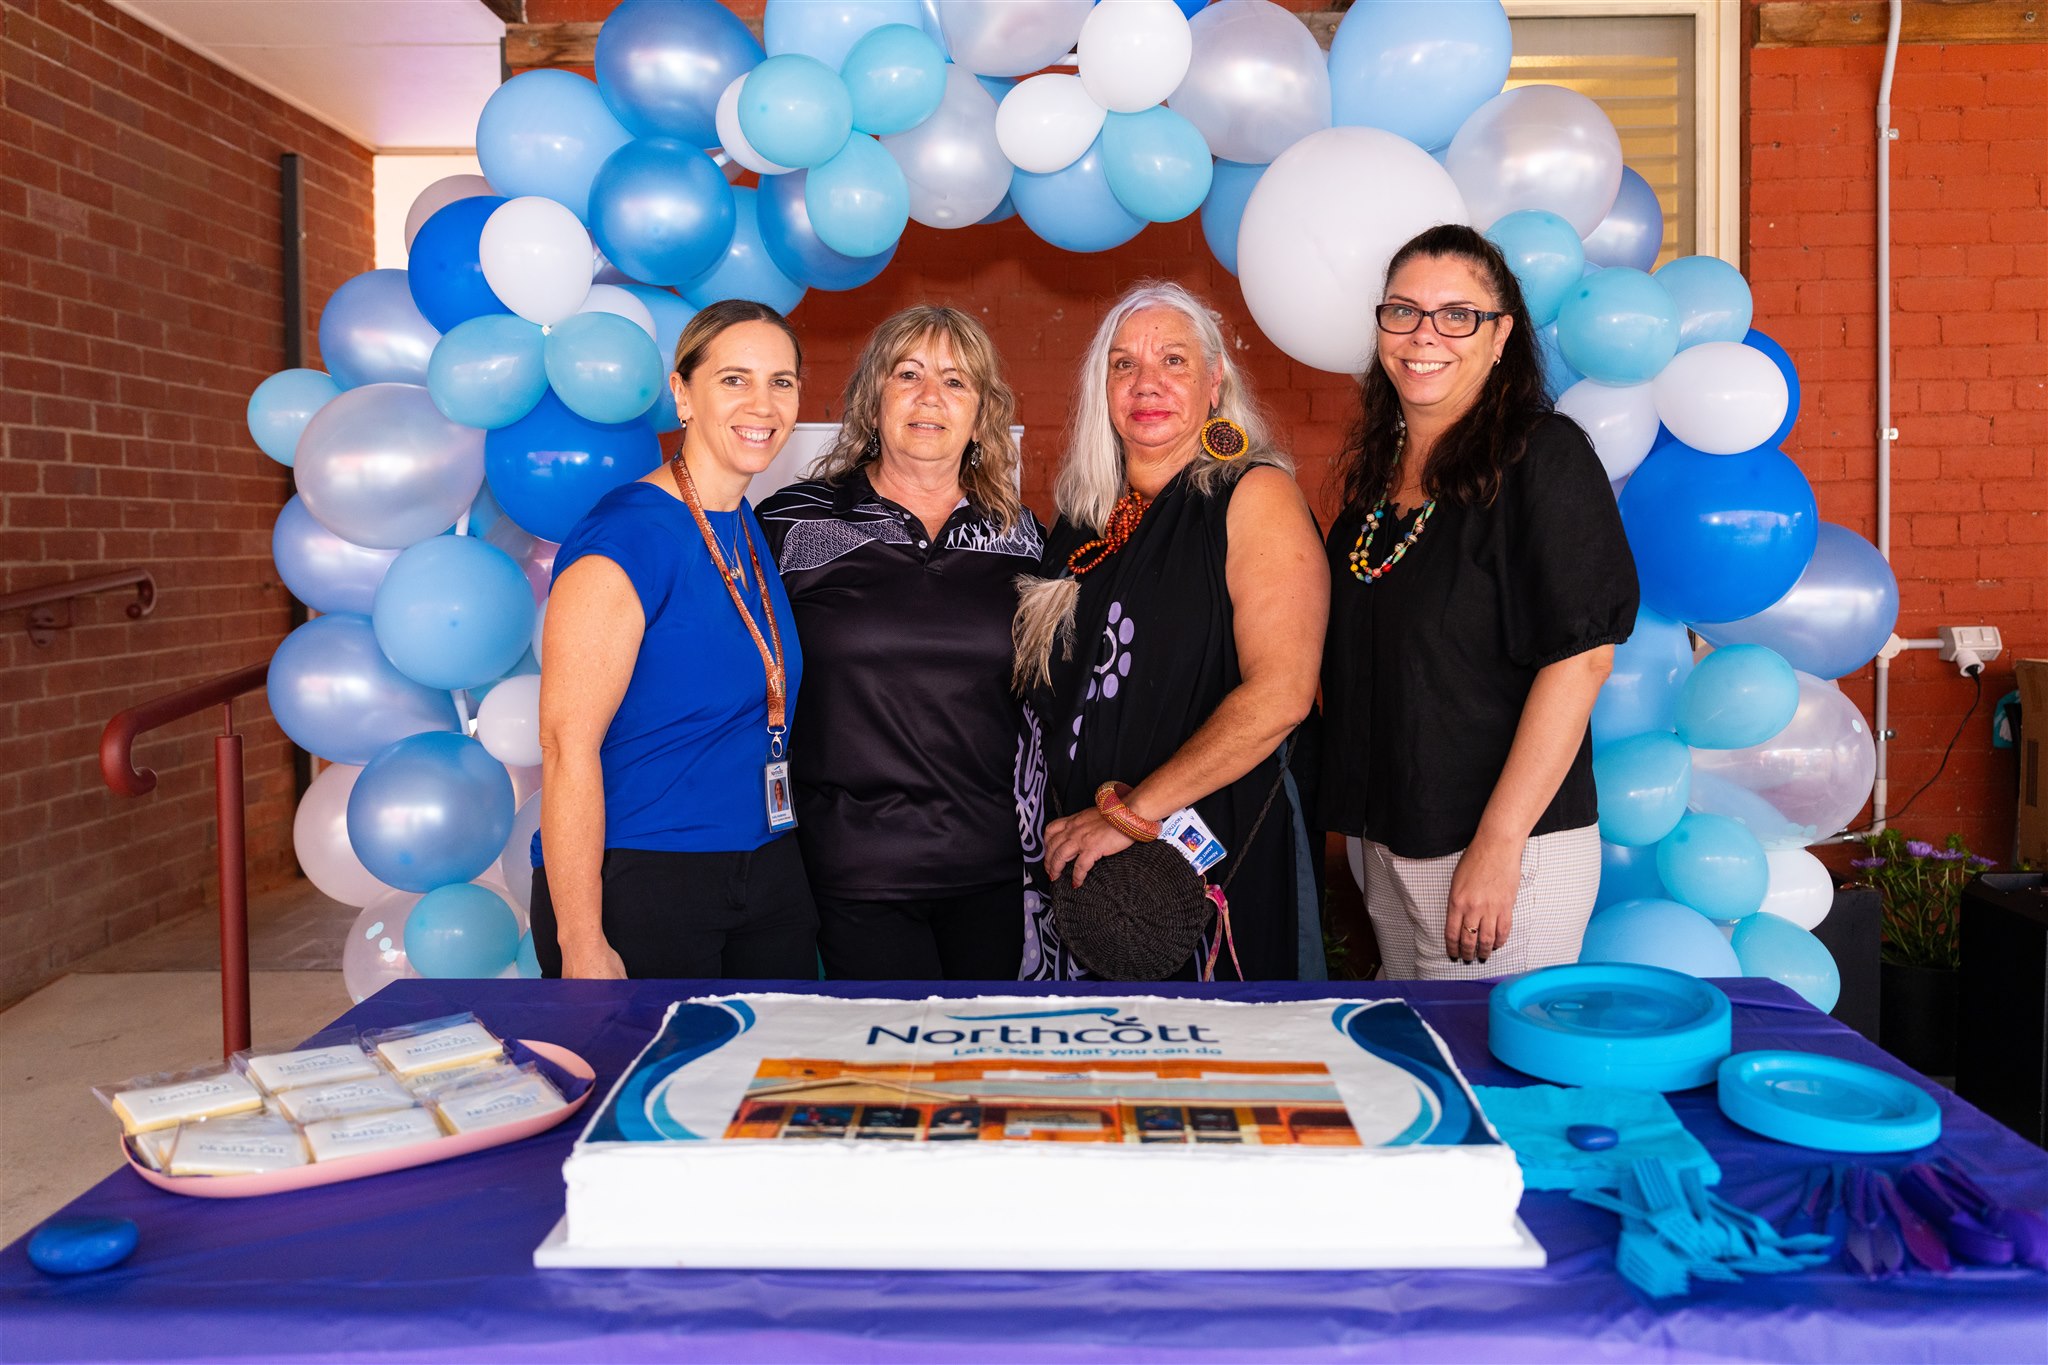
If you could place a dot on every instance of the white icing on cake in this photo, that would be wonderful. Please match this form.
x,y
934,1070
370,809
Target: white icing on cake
x,y
335,1138
311,1066
165,1106
373,1094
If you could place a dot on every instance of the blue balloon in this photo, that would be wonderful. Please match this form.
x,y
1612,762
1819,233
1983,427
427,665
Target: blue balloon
x,y
1778,950
1158,163
1643,782
1075,209
550,467
430,810
282,405
335,694
1791,372
858,202
997,86
1190,8
1641,691
830,30
1715,865
1717,537
445,269
1222,212
604,367
661,210
746,271
1632,233
488,372
546,133
1558,374
462,931
1417,67
1713,299
526,959
1545,255
662,64
896,78
785,219
1618,326
371,332
795,111
1628,874
321,569
671,315
1659,933
1737,696
1006,209
453,612
1834,619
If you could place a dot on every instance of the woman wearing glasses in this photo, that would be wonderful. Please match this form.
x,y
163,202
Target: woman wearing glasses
x,y
1479,582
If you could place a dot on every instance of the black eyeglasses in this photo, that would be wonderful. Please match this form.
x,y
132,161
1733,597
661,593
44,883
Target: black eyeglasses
x,y
1400,319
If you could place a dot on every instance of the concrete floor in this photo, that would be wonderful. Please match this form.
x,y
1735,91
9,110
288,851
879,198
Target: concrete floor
x,y
150,1004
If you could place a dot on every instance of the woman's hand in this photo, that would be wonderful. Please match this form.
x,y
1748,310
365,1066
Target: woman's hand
x,y
1482,904
592,961
1082,840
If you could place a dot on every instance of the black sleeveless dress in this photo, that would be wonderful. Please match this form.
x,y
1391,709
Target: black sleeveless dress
x,y
1154,653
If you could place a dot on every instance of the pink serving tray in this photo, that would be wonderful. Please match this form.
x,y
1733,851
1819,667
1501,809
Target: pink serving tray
x,y
375,1163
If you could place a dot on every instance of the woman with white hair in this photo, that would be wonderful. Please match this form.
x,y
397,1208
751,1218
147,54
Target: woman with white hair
x,y
1167,655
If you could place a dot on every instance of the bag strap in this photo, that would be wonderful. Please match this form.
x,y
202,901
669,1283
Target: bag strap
x,y
1279,780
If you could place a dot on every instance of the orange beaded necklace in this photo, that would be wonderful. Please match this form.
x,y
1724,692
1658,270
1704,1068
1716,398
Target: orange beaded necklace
x,y
1123,523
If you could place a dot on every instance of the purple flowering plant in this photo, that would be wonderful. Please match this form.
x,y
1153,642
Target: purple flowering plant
x,y
1921,887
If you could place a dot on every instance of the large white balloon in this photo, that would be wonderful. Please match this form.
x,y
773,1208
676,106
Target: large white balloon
x,y
1010,37
381,467
1133,53
438,196
1804,783
1318,231
320,839
1537,147
508,722
1621,419
734,141
954,166
1257,82
1800,889
537,258
610,298
1721,397
1048,123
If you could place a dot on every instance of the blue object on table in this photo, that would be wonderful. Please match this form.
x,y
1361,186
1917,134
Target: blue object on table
x,y
1827,1103
1538,1122
1591,1137
1611,1024
79,1246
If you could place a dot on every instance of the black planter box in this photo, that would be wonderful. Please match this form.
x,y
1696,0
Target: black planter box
x,y
2002,1019
1850,932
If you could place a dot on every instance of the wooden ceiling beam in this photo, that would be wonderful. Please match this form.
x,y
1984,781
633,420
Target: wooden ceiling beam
x,y
1851,23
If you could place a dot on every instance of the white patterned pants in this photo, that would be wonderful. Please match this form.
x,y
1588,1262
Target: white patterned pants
x,y
1408,897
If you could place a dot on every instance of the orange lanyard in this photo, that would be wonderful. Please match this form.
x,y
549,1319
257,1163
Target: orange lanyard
x,y
771,654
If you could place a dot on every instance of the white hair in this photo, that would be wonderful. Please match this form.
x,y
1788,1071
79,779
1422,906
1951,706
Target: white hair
x,y
1091,476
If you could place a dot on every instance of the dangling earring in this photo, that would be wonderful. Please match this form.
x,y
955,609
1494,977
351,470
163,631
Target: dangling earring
x,y
974,454
1223,439
872,450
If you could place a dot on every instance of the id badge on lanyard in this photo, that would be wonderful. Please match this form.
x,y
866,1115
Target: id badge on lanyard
x,y
775,787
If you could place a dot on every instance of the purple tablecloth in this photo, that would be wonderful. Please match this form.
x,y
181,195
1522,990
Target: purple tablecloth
x,y
435,1263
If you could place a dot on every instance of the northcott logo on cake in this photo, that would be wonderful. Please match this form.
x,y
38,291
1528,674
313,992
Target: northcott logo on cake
x,y
1110,1029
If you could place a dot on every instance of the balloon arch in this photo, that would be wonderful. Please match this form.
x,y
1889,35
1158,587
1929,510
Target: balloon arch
x,y
510,375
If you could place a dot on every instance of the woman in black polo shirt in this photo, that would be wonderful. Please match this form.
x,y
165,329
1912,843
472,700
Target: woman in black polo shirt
x,y
900,556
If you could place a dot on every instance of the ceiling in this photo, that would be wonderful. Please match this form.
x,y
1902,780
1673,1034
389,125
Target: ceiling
x,y
395,75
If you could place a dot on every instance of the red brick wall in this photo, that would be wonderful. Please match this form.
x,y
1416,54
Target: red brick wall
x,y
140,283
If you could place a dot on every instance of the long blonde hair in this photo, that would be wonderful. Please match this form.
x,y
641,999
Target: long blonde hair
x,y
988,467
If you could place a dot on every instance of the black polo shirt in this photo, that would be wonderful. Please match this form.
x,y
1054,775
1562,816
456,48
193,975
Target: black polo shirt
x,y
906,730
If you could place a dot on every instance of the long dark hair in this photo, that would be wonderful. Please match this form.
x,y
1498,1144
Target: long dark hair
x,y
1466,464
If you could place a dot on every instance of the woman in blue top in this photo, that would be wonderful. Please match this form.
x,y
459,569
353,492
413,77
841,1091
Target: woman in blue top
x,y
671,674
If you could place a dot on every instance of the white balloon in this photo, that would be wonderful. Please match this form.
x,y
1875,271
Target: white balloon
x,y
734,142
954,166
508,722
1721,397
1800,889
1318,231
1133,53
1010,37
1804,783
320,839
537,258
515,864
1537,147
373,954
1047,123
525,782
1620,419
1257,82
439,195
609,298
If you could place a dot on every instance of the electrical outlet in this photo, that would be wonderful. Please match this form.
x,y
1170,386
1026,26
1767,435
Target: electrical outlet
x,y
1969,648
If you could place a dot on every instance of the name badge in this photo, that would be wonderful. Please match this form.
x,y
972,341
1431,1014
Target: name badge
x,y
1192,839
781,803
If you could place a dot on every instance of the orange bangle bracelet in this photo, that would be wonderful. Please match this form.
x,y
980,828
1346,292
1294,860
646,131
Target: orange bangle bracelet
x,y
1109,799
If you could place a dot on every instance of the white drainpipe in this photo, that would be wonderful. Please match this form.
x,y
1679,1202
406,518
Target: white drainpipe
x,y
1886,432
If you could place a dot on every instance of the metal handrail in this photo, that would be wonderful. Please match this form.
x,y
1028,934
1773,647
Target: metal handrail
x,y
40,602
117,766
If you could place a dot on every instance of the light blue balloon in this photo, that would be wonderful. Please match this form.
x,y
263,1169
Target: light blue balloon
x,y
830,30
281,407
321,569
671,315
1618,326
1417,67
1834,619
604,367
335,694
795,111
746,271
1558,374
1643,782
1658,933
463,931
371,332
1715,865
997,86
896,77
1717,537
489,371
1713,794
1632,233
1641,691
661,210
430,810
1229,190
1157,162
858,202
526,959
1628,874
453,612
786,231
1545,255
546,133
1075,209
1713,299
1778,950
1737,696
662,64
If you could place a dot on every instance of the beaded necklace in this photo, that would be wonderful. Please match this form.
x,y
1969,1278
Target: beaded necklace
x,y
1362,567
1122,524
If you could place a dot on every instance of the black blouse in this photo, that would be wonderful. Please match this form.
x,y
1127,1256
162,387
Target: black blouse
x,y
906,726
1427,668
